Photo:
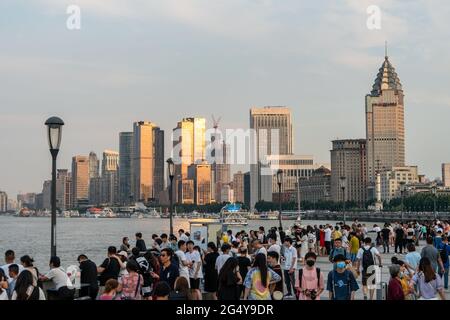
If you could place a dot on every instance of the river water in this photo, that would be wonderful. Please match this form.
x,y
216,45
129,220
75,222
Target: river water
x,y
89,236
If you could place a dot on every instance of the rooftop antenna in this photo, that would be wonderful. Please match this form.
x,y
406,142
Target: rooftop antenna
x,y
385,49
216,122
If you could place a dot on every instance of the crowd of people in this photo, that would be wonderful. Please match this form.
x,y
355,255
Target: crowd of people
x,y
257,265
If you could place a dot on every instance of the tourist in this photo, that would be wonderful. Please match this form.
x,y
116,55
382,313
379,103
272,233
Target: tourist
x,y
310,282
147,263
341,283
220,261
195,270
211,275
399,235
273,245
156,241
365,259
231,237
162,289
169,271
88,277
173,243
327,239
234,249
13,272
140,243
322,249
184,264
181,290
385,234
444,252
109,269
289,266
338,249
165,242
428,282
123,257
258,247
273,262
311,239
395,290
262,235
229,280
405,277
430,252
10,258
27,264
112,287
3,286
125,246
437,240
25,289
412,258
62,288
410,234
244,264
258,280
182,235
354,246
132,282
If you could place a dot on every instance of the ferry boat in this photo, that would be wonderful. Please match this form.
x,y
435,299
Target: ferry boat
x,y
232,215
107,213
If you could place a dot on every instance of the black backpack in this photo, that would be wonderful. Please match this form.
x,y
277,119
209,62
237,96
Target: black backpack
x,y
300,277
367,258
444,254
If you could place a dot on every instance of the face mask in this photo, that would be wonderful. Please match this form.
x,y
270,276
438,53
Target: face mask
x,y
310,263
340,265
402,275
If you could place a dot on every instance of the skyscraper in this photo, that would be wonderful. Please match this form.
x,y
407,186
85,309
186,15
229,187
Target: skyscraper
x,y
94,165
348,159
238,187
200,173
188,147
272,136
63,189
148,161
80,181
446,174
385,128
3,201
125,166
110,178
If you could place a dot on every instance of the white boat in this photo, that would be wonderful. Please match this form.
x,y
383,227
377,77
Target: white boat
x,y
107,213
232,215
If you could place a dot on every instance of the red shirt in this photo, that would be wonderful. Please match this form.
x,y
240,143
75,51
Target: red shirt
x,y
395,291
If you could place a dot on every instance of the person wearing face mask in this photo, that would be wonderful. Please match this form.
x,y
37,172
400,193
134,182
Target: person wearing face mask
x,y
341,283
310,282
405,275
395,290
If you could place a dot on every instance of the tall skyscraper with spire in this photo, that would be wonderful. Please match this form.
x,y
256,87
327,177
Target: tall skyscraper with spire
x,y
385,127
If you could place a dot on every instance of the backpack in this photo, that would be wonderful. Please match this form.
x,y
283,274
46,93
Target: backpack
x,y
444,254
300,277
367,258
144,265
334,252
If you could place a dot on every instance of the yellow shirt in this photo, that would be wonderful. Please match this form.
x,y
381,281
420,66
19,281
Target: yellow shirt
x,y
336,235
354,243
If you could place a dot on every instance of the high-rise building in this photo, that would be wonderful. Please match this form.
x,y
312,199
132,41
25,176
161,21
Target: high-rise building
x,y
148,161
247,189
188,148
110,178
80,181
273,135
46,195
201,175
385,127
446,174
125,167
392,178
63,189
238,187
3,201
95,191
27,200
94,165
348,159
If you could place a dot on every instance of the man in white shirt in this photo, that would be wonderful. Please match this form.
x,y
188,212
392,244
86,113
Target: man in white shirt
x,y
195,270
366,264
289,266
258,247
327,239
10,258
182,235
220,261
184,263
273,245
59,280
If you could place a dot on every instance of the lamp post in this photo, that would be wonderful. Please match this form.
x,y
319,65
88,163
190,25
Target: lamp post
x,y
171,170
342,182
402,194
54,133
280,182
434,192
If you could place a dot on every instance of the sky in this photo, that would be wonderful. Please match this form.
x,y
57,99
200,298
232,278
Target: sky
x,y
162,60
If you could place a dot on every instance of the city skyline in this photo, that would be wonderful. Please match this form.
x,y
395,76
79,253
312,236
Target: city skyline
x,y
294,77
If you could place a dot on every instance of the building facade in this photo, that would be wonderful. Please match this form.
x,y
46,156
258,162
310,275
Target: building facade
x,y
238,187
148,161
385,127
125,167
201,175
272,127
391,180
317,187
63,189
110,177
446,174
348,160
80,181
3,201
94,165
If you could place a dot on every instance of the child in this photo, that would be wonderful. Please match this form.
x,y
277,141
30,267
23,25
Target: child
x,y
111,289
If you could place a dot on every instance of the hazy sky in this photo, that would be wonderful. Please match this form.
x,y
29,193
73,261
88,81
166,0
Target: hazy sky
x,y
161,60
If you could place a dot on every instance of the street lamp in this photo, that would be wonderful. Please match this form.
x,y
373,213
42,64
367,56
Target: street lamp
x,y
54,133
402,194
280,182
342,183
171,170
434,192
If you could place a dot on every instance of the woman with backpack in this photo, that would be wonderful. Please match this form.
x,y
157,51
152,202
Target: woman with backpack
x,y
25,289
132,282
310,283
428,283
27,263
